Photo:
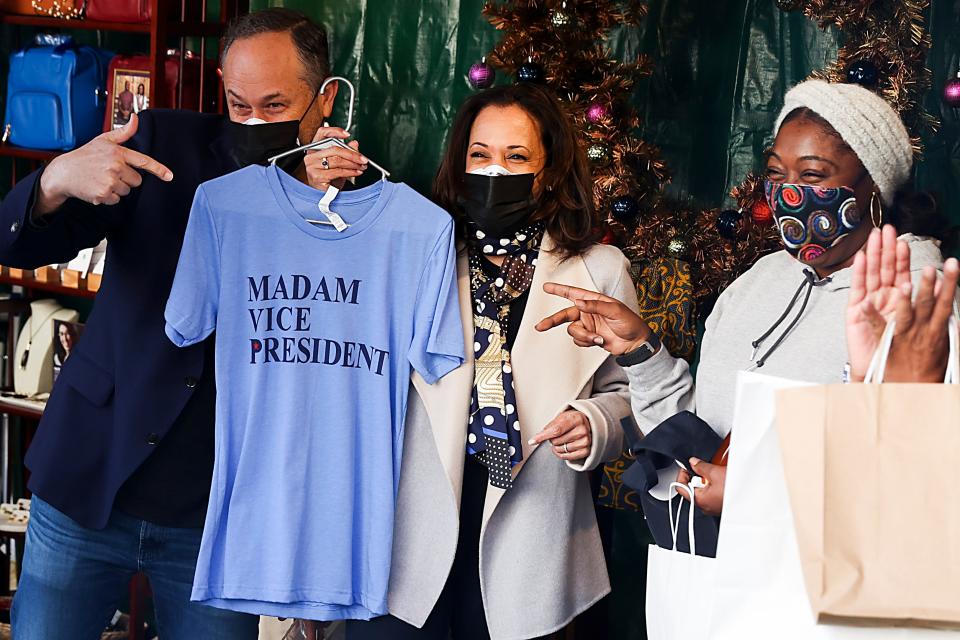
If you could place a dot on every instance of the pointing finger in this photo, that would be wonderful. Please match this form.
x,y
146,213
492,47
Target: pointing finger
x,y
572,293
570,314
611,310
144,162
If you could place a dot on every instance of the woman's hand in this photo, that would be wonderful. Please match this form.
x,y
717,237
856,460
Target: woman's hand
x,y
879,271
881,291
570,435
333,165
921,344
596,319
710,497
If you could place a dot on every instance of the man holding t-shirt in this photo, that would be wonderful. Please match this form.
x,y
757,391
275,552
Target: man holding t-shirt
x,y
122,461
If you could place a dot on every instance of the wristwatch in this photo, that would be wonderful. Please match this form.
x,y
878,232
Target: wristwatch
x,y
644,352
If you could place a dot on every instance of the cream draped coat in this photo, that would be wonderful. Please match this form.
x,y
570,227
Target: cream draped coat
x,y
541,561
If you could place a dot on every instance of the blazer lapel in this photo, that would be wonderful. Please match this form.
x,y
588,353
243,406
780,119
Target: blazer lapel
x,y
549,370
447,402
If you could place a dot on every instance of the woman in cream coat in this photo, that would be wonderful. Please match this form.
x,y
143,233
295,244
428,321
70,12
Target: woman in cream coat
x,y
495,533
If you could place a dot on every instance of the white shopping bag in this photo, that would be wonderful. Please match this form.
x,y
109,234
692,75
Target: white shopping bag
x,y
759,589
678,583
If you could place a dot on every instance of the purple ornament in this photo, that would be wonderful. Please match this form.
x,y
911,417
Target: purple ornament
x,y
951,92
596,112
481,75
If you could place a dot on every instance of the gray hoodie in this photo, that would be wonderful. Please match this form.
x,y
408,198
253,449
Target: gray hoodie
x,y
813,350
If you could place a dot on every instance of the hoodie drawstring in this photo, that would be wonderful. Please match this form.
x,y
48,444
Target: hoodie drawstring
x,y
809,282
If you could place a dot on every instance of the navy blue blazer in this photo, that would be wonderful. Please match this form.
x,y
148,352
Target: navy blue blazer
x,y
125,383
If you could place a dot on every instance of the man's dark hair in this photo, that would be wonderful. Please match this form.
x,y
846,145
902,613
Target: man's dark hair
x,y
308,37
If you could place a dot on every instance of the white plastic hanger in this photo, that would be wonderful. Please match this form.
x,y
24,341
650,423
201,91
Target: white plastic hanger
x,y
332,218
327,142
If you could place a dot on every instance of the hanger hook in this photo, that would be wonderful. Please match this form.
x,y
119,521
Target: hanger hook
x,y
353,93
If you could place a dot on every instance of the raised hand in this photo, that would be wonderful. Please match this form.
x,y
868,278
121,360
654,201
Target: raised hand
x,y
880,291
100,172
596,320
880,270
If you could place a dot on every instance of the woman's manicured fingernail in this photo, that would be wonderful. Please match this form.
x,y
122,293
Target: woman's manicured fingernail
x,y
598,341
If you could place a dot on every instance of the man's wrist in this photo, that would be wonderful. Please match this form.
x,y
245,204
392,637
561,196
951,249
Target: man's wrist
x,y
46,199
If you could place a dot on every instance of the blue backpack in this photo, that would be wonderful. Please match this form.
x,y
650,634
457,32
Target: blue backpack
x,y
56,96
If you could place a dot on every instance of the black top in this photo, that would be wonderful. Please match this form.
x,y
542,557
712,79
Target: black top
x,y
517,306
172,485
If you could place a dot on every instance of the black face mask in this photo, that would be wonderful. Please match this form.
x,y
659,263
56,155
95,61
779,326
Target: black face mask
x,y
499,205
257,143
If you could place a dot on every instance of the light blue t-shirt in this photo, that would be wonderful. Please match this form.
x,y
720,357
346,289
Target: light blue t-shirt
x,y
316,334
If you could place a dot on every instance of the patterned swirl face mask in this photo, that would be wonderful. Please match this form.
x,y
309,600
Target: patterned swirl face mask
x,y
812,219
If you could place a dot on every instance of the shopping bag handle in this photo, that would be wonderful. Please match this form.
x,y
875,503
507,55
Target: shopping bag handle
x,y
675,524
878,364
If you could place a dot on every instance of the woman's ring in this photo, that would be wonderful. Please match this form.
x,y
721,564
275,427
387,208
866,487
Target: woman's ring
x,y
325,163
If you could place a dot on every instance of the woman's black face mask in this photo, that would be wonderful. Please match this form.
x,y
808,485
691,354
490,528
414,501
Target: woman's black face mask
x,y
498,204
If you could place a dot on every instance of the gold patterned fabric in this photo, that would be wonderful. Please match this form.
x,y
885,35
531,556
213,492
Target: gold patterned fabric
x,y
665,292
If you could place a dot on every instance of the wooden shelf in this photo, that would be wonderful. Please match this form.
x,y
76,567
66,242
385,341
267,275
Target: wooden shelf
x,y
13,151
45,22
14,408
29,282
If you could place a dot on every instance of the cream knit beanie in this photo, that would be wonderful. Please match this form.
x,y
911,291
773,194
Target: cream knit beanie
x,y
869,126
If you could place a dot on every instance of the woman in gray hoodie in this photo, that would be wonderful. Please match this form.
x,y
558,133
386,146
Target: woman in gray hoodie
x,y
836,171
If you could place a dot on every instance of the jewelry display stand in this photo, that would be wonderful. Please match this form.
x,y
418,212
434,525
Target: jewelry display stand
x,y
33,359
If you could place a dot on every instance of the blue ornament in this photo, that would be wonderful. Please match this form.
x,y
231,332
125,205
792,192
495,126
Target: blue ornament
x,y
863,72
530,71
625,209
727,222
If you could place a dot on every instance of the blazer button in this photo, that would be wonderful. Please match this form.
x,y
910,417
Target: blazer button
x,y
191,382
153,439
14,227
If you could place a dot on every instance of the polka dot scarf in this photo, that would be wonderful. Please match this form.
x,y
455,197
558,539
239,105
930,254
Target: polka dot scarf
x,y
493,434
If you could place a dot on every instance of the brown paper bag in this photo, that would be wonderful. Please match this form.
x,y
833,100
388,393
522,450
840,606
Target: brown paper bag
x,y
872,475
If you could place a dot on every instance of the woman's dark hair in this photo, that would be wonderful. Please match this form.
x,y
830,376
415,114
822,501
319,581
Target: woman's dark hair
x,y
309,38
565,202
913,211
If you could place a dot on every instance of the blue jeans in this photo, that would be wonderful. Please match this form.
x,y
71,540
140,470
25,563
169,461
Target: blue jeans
x,y
74,578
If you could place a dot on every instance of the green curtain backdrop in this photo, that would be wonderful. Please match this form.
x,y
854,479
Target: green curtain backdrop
x,y
721,70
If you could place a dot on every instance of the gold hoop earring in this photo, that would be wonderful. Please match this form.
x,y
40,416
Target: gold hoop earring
x,y
873,214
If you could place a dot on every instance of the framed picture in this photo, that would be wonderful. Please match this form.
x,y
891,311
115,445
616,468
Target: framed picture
x,y
131,94
65,338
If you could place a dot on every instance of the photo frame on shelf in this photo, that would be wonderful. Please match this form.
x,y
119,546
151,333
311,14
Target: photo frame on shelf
x,y
130,91
66,335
